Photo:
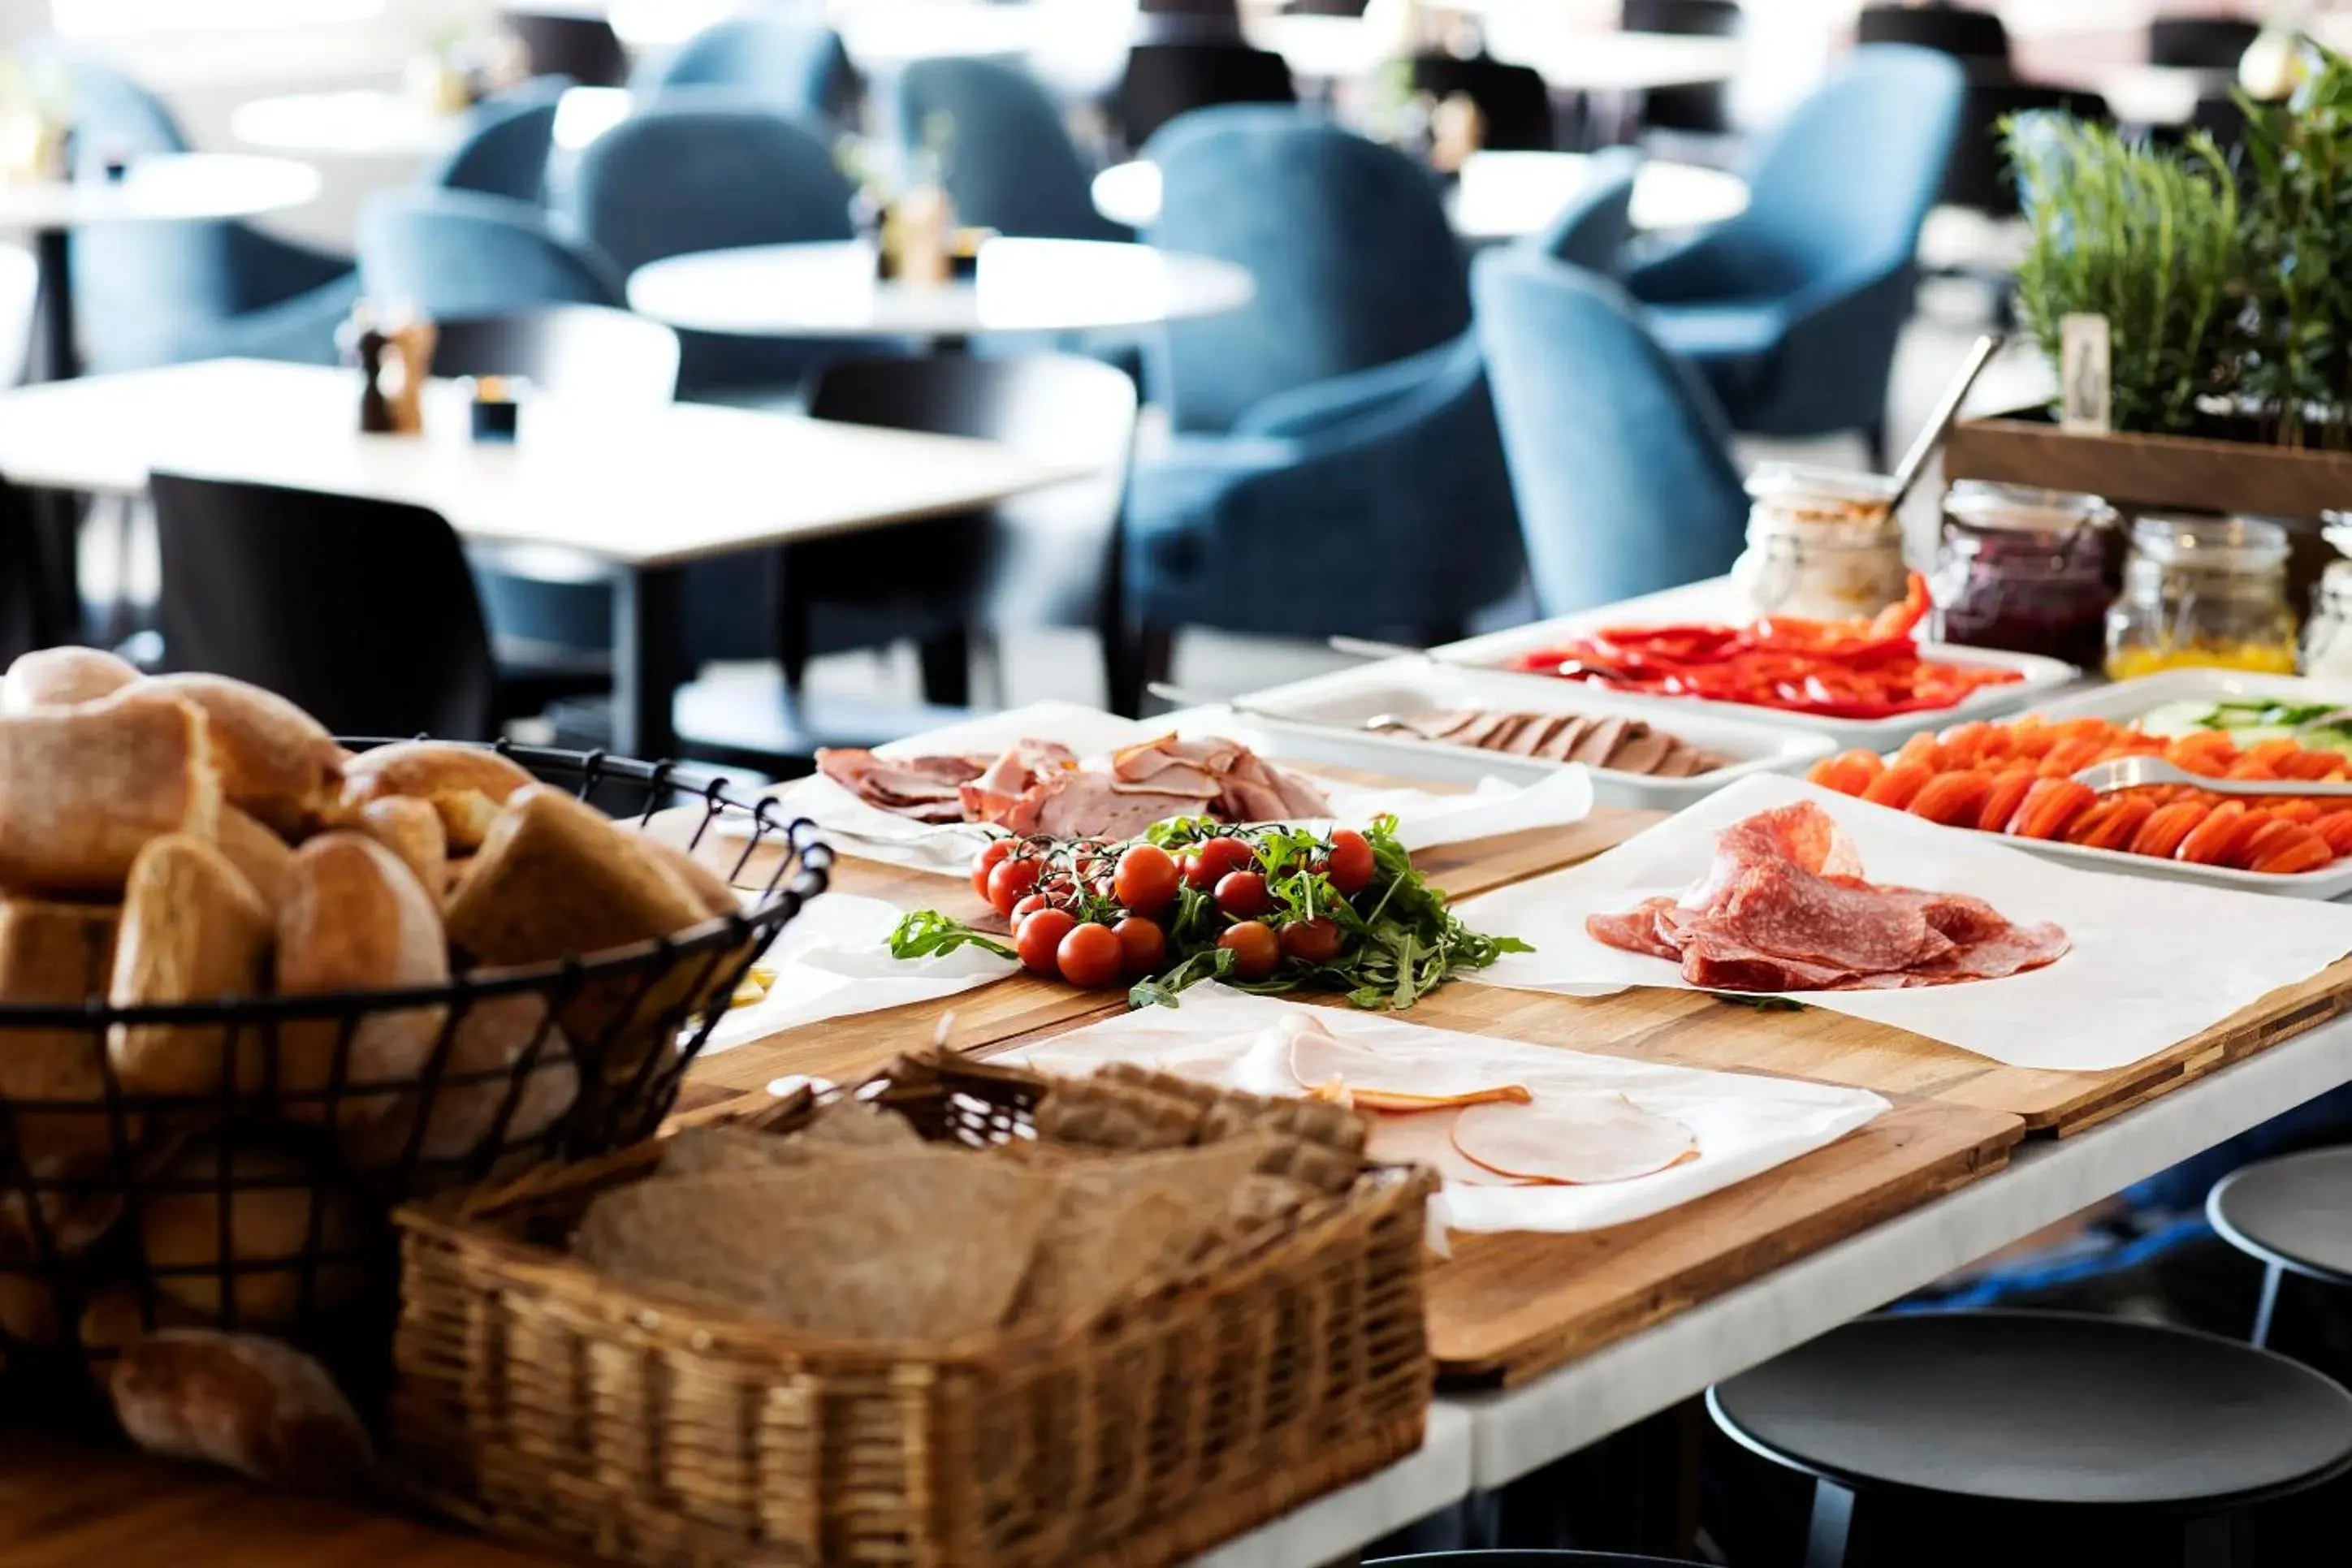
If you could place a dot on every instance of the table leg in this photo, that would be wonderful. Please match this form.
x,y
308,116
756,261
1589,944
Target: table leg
x,y
53,355
648,658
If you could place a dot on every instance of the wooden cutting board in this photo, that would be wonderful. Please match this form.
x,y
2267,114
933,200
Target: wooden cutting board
x,y
1698,1030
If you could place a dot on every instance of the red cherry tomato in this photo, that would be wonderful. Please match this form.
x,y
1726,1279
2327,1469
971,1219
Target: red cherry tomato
x,y
1243,895
1188,868
1146,879
1038,939
1255,949
1027,907
1009,882
1311,942
1091,955
1215,859
986,861
1351,862
1143,944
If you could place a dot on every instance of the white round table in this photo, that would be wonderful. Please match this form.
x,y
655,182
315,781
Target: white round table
x,y
160,188
1501,195
370,123
1571,57
829,291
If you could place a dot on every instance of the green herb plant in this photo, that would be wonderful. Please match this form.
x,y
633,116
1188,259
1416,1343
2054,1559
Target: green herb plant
x,y
2295,370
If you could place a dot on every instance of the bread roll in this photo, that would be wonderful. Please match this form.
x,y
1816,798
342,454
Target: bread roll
x,y
254,1404
62,677
700,883
467,784
192,929
490,1041
29,1308
56,955
268,1226
357,920
260,856
84,789
556,879
275,762
117,1316
413,831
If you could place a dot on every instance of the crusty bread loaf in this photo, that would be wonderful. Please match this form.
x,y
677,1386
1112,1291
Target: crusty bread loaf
x,y
475,1083
29,1308
555,879
258,1407
117,1316
357,920
83,789
55,955
61,677
192,929
275,762
467,784
412,830
260,856
700,881
269,1224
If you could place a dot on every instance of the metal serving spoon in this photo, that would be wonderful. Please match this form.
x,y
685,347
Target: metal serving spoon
x,y
2146,772
1378,723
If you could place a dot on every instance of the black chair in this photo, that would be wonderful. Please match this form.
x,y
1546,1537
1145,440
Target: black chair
x,y
1979,176
1699,109
1326,8
2200,42
551,616
1976,38
1524,1560
1938,1436
1513,101
360,612
1164,81
39,602
2292,1216
584,49
1046,559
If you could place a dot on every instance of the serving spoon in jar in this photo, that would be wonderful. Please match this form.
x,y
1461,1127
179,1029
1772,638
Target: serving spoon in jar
x,y
2150,773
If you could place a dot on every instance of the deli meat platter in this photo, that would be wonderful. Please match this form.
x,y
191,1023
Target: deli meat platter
x,y
1421,718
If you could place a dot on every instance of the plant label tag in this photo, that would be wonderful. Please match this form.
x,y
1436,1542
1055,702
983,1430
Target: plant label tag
x,y
2084,389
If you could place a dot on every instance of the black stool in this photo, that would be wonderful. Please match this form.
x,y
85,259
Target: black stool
x,y
1953,1414
1525,1560
2290,1214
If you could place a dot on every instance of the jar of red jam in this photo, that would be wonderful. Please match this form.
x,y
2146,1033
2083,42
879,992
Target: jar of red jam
x,y
2025,570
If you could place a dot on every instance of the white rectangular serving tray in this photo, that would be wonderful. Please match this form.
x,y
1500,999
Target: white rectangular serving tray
x,y
2041,679
1320,719
2123,702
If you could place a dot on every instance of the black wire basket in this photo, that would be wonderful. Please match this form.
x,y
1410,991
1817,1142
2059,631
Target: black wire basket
x,y
260,1203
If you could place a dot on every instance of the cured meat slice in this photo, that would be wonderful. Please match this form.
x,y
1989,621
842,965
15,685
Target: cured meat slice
x,y
1326,1065
1426,1138
1774,907
1636,932
1716,963
928,789
2014,950
1574,1140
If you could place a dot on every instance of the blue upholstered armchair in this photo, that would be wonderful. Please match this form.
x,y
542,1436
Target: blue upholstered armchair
x,y
1792,308
458,254
1012,166
153,294
1338,468
789,64
1619,454
503,151
1593,229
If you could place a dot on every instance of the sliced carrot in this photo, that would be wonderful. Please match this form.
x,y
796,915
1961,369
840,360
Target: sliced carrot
x,y
1849,772
1964,744
1954,800
2087,728
2161,834
2337,829
1822,773
2049,808
2310,765
2275,754
2212,840
1923,749
2303,811
2208,752
2118,822
2267,834
2008,787
1896,786
2307,850
2032,738
2253,768
2069,756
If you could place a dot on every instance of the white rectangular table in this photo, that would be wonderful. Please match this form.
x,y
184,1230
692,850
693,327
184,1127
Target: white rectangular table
x,y
641,490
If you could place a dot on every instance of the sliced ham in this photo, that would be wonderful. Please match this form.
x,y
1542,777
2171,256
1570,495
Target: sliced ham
x,y
1572,1140
1784,908
1355,1074
928,789
1426,1138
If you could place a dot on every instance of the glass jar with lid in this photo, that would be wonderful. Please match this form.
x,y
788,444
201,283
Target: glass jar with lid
x,y
2026,571
1821,545
2203,593
2327,635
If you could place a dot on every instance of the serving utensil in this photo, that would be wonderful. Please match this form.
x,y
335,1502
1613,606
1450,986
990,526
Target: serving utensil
x,y
1368,648
2147,772
1378,723
1939,424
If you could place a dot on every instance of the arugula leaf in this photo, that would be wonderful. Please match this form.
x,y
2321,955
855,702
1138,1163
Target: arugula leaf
x,y
928,934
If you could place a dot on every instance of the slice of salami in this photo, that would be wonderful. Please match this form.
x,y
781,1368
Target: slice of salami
x,y
1776,908
1715,963
1637,932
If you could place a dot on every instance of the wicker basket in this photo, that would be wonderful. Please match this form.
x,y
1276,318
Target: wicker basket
x,y
545,1403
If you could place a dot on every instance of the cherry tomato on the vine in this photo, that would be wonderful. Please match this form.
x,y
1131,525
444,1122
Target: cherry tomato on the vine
x,y
1009,882
1038,939
1028,907
1143,944
1188,869
1312,942
1146,879
1091,955
1242,896
1214,859
1351,862
1255,949
986,861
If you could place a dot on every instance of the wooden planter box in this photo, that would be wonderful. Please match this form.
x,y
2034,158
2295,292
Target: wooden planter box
x,y
2153,472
